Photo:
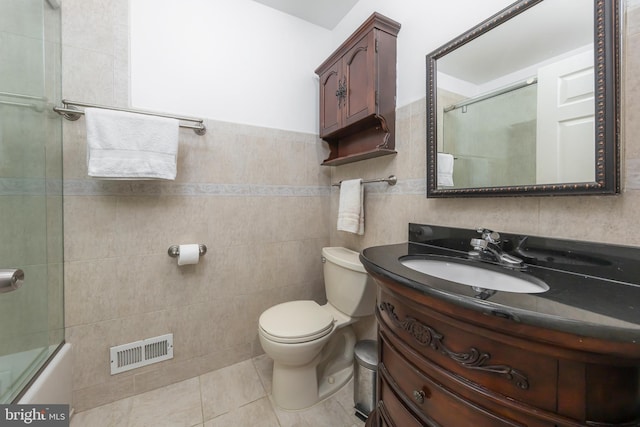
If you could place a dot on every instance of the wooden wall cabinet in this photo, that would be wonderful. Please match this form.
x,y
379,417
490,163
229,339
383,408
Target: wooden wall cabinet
x,y
358,93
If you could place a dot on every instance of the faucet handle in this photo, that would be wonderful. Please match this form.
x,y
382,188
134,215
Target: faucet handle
x,y
489,235
479,244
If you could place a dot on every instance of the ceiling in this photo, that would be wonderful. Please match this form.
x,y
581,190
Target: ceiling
x,y
518,44
325,13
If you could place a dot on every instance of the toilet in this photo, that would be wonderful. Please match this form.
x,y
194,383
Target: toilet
x,y
312,345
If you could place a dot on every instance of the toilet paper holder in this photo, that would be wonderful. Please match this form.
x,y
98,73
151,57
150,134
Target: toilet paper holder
x,y
174,250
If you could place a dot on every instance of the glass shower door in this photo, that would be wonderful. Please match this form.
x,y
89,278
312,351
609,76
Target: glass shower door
x,y
31,317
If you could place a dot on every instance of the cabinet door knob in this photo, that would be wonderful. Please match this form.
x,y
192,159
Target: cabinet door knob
x,y
419,396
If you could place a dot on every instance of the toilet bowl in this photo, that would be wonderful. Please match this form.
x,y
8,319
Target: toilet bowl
x,y
312,345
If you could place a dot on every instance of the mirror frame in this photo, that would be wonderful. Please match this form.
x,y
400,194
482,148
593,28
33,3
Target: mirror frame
x,y
607,108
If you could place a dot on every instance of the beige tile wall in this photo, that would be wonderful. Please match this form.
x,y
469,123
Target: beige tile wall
x,y
256,197
611,219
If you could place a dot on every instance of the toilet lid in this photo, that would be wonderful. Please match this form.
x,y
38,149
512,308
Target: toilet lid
x,y
296,321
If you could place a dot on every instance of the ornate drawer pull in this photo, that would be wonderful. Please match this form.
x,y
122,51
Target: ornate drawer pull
x,y
474,359
419,396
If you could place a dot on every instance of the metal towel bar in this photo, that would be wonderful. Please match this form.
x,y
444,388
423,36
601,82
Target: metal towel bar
x,y
392,180
70,112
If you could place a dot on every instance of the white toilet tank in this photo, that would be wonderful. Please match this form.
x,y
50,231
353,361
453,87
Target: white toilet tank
x,y
349,288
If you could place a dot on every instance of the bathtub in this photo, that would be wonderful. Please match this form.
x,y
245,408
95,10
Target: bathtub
x,y
53,384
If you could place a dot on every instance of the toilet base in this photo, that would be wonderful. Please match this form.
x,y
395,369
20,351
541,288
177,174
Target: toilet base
x,y
331,384
294,387
297,389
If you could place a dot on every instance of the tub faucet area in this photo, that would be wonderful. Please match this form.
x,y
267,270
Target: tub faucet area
x,y
489,247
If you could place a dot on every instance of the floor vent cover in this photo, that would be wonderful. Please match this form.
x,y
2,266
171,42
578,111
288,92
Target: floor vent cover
x,y
141,353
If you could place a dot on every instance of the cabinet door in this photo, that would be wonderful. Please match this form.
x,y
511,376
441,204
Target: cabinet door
x,y
329,98
359,70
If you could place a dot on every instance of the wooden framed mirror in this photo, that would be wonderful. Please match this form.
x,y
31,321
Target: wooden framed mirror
x,y
527,103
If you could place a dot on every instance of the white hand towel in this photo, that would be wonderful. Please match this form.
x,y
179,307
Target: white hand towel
x,y
123,145
351,207
445,170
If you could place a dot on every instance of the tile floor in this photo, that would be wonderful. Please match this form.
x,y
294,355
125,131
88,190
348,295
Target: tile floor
x,y
235,396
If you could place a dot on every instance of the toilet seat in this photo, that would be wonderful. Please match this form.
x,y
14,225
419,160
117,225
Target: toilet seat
x,y
295,322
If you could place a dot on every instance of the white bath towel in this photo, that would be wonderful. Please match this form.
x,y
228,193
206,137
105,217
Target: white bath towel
x,y
351,207
123,145
445,170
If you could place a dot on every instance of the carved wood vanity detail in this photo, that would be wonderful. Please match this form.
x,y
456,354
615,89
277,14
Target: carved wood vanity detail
x,y
449,366
472,359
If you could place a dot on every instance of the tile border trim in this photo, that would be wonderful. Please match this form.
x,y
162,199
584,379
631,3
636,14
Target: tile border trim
x,y
89,187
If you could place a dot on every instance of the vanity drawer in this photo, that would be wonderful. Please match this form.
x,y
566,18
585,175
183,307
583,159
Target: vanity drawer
x,y
431,399
390,404
466,351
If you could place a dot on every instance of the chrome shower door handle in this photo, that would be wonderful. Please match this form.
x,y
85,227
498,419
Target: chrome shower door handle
x,y
10,279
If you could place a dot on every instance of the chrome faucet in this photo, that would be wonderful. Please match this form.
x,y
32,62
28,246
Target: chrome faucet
x,y
489,247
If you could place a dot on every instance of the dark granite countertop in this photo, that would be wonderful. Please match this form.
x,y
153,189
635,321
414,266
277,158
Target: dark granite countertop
x,y
594,289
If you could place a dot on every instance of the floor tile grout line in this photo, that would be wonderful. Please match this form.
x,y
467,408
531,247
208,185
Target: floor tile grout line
x,y
201,400
267,393
264,386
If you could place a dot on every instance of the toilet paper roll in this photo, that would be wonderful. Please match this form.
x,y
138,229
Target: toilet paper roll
x,y
189,254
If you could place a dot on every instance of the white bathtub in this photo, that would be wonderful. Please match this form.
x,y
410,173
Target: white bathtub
x,y
53,385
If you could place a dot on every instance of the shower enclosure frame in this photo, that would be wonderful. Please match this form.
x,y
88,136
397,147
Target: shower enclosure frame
x,y
31,230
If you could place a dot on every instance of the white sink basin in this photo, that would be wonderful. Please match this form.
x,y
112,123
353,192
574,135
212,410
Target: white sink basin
x,y
479,277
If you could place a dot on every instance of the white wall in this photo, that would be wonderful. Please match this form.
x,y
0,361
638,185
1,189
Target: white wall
x,y
231,60
240,61
426,25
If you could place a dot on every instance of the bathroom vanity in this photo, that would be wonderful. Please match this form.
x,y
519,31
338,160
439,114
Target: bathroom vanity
x,y
564,352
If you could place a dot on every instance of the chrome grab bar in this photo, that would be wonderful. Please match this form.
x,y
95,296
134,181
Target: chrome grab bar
x,y
10,279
